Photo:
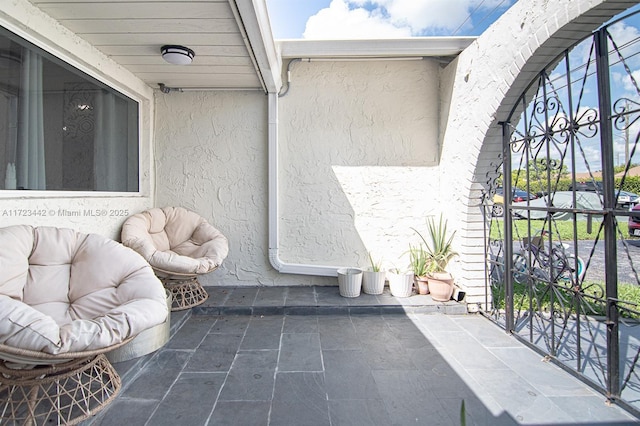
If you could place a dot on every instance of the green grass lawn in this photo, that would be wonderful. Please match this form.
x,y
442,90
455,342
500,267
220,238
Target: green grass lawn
x,y
630,293
564,228
592,302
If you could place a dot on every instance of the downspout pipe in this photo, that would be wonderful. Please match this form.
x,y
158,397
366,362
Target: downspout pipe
x,y
274,258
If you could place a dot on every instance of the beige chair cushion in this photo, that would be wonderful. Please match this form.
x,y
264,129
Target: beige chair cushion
x,y
175,240
64,291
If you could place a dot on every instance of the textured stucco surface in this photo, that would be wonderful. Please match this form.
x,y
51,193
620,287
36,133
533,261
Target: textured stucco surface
x,y
211,157
358,154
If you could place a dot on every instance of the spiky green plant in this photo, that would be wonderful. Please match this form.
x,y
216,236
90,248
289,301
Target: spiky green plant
x,y
419,260
439,248
375,266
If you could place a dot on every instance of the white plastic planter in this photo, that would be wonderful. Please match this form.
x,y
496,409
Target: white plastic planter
x,y
400,284
373,282
350,282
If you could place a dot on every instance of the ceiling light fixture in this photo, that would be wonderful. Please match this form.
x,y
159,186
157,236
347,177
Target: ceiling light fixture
x,y
178,55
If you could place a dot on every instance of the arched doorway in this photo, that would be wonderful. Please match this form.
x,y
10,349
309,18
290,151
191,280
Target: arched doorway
x,y
562,248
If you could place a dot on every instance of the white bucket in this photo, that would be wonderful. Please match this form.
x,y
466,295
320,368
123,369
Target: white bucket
x,y
350,282
373,282
400,284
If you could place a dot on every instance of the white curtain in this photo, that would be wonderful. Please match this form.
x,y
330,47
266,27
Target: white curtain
x,y
30,165
110,143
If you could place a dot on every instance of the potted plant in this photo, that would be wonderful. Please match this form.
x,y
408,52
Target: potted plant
x,y
400,282
419,261
373,278
349,281
440,252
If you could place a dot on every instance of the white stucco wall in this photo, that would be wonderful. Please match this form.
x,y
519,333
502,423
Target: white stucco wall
x,y
358,143
101,213
358,153
211,157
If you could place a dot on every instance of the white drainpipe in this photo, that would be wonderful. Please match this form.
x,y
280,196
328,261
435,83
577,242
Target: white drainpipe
x,y
276,262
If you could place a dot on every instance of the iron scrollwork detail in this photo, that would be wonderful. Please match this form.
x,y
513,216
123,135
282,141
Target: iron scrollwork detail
x,y
562,310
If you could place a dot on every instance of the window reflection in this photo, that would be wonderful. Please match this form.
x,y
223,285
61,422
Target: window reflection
x,y
60,129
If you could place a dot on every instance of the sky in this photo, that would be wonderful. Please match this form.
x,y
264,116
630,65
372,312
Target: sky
x,y
374,19
625,93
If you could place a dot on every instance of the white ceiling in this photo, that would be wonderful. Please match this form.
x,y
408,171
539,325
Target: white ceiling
x,y
132,32
232,40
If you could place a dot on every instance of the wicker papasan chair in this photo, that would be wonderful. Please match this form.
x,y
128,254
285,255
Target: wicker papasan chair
x,y
179,244
67,298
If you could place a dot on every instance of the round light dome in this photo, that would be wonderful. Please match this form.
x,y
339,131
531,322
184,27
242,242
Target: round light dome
x,y
178,55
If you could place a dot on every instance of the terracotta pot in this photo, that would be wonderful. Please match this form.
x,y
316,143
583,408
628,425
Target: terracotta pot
x,y
441,286
421,284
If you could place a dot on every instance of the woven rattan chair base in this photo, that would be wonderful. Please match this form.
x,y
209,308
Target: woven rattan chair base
x,y
65,393
185,293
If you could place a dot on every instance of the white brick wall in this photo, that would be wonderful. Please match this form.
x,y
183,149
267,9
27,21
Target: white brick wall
x,y
489,75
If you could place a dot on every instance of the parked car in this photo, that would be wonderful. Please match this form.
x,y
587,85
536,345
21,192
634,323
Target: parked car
x,y
518,196
588,186
626,199
634,221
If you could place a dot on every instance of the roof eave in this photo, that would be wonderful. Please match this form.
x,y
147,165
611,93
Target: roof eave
x,y
370,48
255,27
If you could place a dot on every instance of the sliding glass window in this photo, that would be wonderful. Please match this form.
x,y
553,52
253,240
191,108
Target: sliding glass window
x,y
61,129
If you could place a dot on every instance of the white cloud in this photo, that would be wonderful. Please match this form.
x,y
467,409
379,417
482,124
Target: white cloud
x,y
625,37
628,84
338,21
396,18
591,157
622,34
433,14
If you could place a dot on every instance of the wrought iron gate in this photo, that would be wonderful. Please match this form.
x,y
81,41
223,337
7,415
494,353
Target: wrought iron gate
x,y
561,265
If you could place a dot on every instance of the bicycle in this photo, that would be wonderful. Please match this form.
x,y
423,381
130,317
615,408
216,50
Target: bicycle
x,y
497,262
553,266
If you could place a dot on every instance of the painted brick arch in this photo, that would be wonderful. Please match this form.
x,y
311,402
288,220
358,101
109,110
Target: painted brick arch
x,y
485,82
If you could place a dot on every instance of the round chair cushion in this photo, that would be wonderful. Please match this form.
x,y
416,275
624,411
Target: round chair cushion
x,y
64,291
175,240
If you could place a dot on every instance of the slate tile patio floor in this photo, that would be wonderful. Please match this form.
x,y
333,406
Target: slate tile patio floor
x,y
306,356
